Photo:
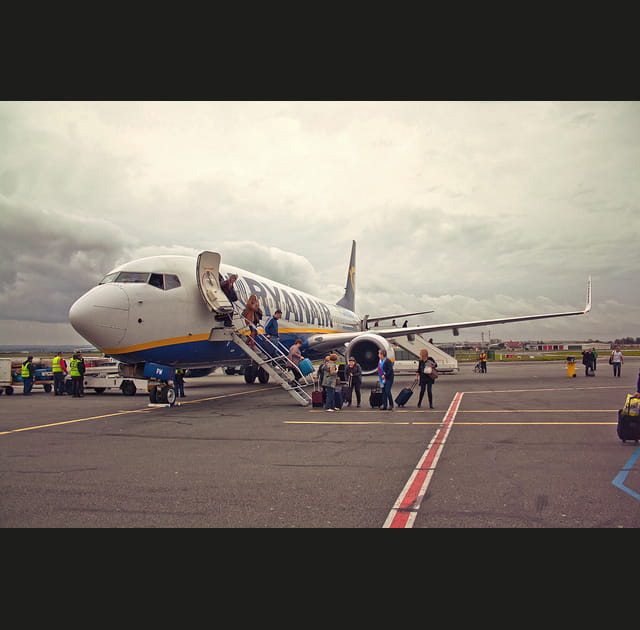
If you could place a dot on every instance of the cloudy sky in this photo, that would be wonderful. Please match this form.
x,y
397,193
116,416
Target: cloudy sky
x,y
473,209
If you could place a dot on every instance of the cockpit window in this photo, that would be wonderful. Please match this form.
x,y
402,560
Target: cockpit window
x,y
156,280
171,281
110,277
165,281
132,276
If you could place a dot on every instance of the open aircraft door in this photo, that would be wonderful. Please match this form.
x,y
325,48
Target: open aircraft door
x,y
207,271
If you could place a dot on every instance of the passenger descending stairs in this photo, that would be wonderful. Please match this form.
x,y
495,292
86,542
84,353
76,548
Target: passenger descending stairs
x,y
272,357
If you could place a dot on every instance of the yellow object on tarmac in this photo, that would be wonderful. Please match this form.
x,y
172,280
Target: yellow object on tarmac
x,y
571,367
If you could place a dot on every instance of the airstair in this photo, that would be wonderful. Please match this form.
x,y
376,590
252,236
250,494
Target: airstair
x,y
415,343
271,357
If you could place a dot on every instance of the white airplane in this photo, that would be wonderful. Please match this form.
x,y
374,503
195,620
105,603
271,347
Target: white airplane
x,y
160,311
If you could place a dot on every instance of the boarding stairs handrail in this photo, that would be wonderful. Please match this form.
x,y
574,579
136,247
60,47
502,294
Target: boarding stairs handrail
x,y
270,355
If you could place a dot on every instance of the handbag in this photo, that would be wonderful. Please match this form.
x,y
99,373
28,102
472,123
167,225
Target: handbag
x,y
430,371
611,360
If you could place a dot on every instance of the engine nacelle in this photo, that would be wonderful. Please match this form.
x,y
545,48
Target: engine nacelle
x,y
364,349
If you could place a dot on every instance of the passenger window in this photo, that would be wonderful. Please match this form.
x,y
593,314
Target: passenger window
x,y
156,280
171,282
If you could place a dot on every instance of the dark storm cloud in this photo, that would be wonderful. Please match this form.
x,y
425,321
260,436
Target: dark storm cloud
x,y
50,259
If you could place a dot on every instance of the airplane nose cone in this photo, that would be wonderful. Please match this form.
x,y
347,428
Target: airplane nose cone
x,y
101,315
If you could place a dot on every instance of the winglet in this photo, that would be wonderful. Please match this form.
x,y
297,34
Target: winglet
x,y
587,308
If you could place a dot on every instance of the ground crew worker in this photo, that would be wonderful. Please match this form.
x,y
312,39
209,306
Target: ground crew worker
x,y
27,373
483,361
178,382
59,368
76,375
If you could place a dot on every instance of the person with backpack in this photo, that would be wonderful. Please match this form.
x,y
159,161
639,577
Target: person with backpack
x,y
329,381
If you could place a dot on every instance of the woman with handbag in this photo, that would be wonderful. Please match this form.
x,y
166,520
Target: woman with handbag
x,y
427,375
252,315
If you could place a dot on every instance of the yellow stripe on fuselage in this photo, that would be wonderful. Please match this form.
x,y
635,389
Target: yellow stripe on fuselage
x,y
172,341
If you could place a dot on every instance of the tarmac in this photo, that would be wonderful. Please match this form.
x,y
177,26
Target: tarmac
x,y
522,446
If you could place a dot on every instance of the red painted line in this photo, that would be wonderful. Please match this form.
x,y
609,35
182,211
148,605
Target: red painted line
x,y
405,509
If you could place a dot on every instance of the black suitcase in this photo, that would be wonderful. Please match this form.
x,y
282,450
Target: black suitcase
x,y
629,420
347,392
375,398
403,397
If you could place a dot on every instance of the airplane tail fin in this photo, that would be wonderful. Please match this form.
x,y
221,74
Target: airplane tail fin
x,y
348,300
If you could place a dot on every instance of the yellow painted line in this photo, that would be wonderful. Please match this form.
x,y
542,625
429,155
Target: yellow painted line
x,y
124,413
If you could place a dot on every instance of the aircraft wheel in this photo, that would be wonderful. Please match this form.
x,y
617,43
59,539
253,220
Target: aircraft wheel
x,y
167,394
47,387
153,394
263,375
8,390
250,373
128,388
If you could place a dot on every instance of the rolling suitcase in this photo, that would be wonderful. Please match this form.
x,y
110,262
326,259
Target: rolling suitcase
x,y
316,397
305,366
375,397
629,420
403,397
346,392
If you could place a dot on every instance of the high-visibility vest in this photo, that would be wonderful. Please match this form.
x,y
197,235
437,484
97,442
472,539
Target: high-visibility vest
x,y
73,364
26,372
55,364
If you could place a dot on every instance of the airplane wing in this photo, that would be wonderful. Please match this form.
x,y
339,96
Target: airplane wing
x,y
379,319
329,341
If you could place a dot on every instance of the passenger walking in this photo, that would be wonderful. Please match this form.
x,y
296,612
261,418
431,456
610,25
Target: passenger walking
x,y
229,290
587,361
27,372
616,360
594,363
295,356
386,376
59,369
425,367
329,382
271,327
252,315
353,374
178,382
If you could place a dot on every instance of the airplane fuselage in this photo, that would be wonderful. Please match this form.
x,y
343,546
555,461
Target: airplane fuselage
x,y
154,312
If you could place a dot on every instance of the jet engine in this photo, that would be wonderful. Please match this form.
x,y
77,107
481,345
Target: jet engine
x,y
364,349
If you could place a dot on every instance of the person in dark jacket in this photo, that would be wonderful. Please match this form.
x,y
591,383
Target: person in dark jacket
x,y
425,380
230,291
386,376
587,361
353,376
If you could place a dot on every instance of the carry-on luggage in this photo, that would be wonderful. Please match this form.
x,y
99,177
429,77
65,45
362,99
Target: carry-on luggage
x,y
629,419
347,392
375,397
316,397
403,397
305,366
